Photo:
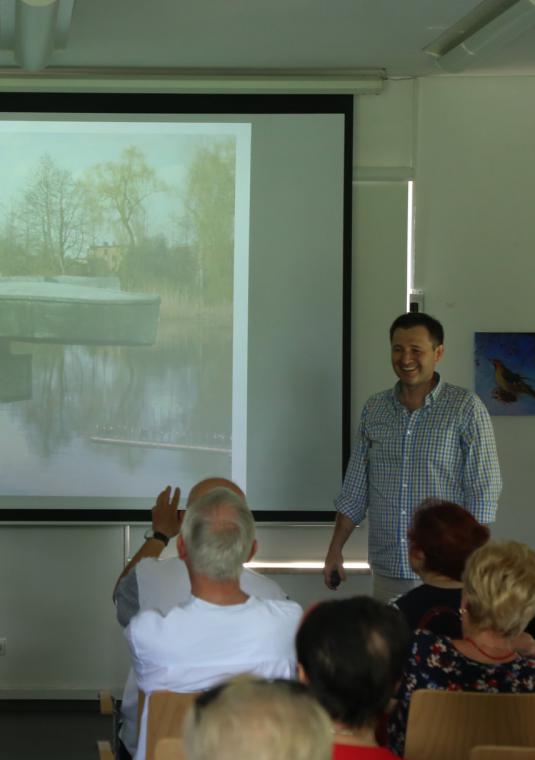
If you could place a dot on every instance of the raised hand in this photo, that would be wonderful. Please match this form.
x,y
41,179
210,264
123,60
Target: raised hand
x,y
164,513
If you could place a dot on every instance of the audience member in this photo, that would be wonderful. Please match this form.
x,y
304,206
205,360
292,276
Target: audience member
x,y
220,630
147,582
351,653
267,720
156,578
441,538
498,600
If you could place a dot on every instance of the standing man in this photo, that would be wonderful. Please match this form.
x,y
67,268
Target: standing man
x,y
422,439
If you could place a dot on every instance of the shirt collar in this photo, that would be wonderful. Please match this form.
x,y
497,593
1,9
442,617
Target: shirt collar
x,y
431,397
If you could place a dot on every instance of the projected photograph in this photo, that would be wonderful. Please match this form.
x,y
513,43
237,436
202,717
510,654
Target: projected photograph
x,y
123,306
505,372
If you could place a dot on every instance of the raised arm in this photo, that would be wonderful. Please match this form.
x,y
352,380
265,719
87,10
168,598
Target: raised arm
x,y
165,521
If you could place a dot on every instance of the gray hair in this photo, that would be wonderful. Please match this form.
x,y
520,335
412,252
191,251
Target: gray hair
x,y
249,717
218,532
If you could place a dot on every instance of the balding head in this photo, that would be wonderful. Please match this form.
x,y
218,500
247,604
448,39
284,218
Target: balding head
x,y
208,484
218,534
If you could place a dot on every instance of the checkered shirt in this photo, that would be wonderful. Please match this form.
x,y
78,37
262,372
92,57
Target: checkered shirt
x,y
445,450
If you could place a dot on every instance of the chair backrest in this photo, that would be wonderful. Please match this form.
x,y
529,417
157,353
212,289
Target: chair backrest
x,y
166,713
445,724
500,753
169,749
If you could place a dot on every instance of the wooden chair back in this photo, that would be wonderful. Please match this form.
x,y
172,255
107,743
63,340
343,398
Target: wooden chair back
x,y
448,724
500,753
169,749
140,706
165,717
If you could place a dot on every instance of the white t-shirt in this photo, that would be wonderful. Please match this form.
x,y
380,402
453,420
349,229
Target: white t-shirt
x,y
198,644
161,584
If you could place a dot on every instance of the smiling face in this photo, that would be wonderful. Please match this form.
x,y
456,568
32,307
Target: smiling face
x,y
414,356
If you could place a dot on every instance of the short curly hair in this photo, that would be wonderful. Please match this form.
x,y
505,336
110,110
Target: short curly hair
x,y
499,587
447,534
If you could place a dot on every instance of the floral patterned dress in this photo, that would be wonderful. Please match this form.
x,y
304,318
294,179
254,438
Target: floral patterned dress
x,y
434,663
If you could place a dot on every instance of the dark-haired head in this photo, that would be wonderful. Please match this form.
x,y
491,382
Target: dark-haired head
x,y
445,535
419,319
353,652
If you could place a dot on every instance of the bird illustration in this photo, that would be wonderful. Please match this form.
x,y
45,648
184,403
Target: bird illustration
x,y
509,384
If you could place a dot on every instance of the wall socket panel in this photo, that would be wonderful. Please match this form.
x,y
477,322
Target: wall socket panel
x,y
3,647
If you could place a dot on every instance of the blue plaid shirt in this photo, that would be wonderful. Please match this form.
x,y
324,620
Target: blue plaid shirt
x,y
445,450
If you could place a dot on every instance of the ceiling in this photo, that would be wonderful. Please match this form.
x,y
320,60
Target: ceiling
x,y
259,34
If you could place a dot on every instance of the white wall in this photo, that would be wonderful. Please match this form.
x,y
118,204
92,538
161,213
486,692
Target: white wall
x,y
475,238
55,592
470,145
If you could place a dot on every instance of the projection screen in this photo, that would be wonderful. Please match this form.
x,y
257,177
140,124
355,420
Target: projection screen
x,y
174,301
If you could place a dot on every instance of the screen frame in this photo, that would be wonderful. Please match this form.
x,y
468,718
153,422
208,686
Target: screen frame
x,y
172,103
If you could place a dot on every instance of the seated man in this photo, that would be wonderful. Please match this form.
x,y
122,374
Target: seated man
x,y
157,579
351,653
219,631
249,717
148,583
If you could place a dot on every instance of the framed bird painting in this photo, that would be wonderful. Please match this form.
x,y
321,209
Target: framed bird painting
x,y
505,372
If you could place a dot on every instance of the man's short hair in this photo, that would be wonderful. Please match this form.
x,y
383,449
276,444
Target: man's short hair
x,y
419,319
353,652
218,531
249,717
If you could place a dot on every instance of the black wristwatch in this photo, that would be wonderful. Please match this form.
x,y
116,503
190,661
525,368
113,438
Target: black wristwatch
x,y
158,535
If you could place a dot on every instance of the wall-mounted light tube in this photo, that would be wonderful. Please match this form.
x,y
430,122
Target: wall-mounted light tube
x,y
303,566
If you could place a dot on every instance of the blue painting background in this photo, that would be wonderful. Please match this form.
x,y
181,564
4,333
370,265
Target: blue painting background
x,y
517,352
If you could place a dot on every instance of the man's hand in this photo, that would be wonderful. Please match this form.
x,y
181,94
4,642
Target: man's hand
x,y
166,520
165,517
334,564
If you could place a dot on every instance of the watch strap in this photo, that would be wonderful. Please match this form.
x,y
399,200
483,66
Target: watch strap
x,y
158,535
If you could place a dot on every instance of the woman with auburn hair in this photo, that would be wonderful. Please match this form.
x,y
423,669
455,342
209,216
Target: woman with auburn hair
x,y
441,538
498,600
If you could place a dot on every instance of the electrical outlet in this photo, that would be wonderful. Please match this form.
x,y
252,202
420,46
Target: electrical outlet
x,y
3,647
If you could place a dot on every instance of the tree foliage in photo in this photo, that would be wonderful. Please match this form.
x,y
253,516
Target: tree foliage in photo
x,y
116,192
209,203
50,217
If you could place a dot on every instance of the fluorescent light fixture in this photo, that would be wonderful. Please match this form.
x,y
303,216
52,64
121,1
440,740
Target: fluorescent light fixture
x,y
33,29
487,28
410,242
302,566
228,81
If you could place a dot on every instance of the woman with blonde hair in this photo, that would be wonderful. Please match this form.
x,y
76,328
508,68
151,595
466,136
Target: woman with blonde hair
x,y
498,601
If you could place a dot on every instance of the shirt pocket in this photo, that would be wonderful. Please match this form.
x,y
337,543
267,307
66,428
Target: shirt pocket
x,y
385,444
